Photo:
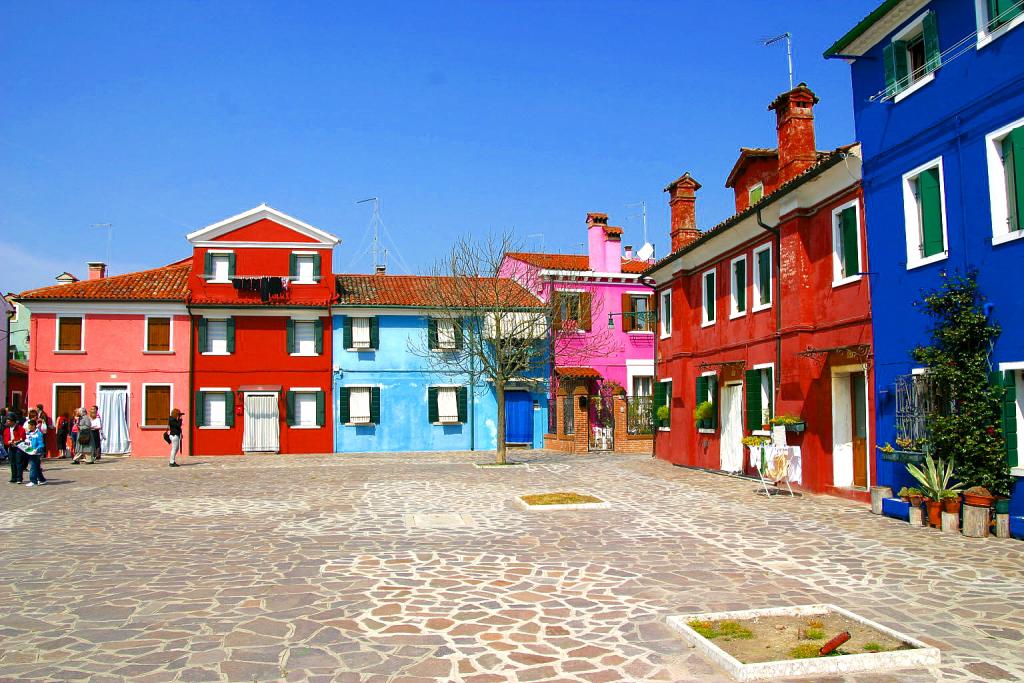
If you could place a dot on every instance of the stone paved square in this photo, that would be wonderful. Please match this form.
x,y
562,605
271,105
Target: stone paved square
x,y
296,568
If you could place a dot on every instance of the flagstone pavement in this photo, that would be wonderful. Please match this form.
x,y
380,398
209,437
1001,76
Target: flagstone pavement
x,y
299,568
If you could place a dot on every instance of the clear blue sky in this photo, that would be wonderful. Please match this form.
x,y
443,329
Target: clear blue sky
x,y
461,116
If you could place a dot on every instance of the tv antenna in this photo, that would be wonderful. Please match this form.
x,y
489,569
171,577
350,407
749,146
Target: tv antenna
x,y
109,227
643,215
540,238
375,226
788,37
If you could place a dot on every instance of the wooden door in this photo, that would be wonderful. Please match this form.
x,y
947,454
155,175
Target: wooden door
x,y
69,399
858,421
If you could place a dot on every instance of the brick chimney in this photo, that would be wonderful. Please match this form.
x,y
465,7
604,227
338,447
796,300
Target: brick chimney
x,y
683,204
794,117
97,270
596,237
380,270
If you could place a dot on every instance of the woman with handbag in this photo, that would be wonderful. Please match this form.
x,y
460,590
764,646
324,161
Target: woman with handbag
x,y
83,440
173,434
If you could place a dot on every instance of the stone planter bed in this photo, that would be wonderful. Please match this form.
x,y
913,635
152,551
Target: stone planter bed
x,y
763,644
561,501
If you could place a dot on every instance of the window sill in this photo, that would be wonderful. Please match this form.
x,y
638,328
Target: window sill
x,y
761,307
69,352
211,427
304,427
738,314
1017,471
664,429
985,36
903,94
158,353
761,432
153,428
219,282
934,258
303,282
1008,237
640,332
214,353
360,424
448,424
358,349
846,281
708,323
304,355
665,336
705,431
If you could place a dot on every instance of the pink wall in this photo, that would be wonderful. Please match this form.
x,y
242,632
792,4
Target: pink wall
x,y
113,354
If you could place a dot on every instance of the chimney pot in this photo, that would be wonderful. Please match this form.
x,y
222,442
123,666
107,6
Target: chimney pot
x,y
97,270
628,251
794,124
683,205
380,270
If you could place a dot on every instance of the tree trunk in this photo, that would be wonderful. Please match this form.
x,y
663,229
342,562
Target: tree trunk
x,y
499,392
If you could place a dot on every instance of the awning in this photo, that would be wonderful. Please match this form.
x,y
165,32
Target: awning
x,y
578,372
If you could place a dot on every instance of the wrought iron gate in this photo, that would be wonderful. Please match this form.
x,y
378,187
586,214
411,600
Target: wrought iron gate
x,y
601,419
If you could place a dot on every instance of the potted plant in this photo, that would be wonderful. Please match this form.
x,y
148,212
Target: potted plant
x,y
951,501
934,479
703,412
662,414
978,496
792,423
912,495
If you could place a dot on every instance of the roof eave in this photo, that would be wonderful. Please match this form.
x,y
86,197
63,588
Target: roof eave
x,y
837,49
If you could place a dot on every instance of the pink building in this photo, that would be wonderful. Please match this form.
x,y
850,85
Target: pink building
x,y
121,343
599,293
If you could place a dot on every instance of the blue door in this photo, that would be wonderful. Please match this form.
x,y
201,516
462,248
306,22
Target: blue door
x,y
518,417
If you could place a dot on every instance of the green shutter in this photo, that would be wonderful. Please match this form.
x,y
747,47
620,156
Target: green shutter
x,y
321,409
1013,166
993,14
850,253
658,400
316,265
709,297
208,264
740,283
462,401
753,389
231,335
1002,11
932,54
432,334
290,336
293,265
432,405
375,405
346,332
900,64
764,273
343,403
713,390
930,204
700,396
889,62
204,344
318,336
457,322
229,408
200,410
289,415
374,332
231,265
1010,416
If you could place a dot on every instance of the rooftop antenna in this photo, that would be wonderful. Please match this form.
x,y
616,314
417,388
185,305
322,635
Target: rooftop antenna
x,y
109,227
375,226
643,215
788,37
538,235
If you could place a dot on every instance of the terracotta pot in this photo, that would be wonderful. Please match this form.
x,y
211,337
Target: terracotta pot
x,y
934,512
951,505
916,500
978,501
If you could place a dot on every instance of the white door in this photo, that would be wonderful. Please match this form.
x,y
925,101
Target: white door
x,y
842,432
262,424
731,443
112,404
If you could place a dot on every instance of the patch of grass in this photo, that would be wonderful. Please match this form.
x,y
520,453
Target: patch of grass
x,y
728,630
559,498
814,634
872,647
814,623
804,651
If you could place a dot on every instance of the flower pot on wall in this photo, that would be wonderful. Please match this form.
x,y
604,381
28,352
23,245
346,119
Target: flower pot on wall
x,y
978,500
934,512
951,505
1002,506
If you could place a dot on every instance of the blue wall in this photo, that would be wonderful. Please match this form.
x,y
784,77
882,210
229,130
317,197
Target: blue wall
x,y
972,95
404,378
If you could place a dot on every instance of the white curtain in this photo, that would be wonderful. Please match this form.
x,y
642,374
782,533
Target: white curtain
x,y
446,333
361,333
447,406
113,406
262,424
305,339
359,405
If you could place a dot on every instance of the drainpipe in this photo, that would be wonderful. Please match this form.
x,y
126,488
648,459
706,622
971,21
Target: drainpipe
x,y
472,402
777,267
191,379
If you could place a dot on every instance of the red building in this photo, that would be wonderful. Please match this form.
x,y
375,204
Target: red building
x,y
260,292
767,313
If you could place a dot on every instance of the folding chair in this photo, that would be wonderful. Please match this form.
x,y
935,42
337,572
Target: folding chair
x,y
776,470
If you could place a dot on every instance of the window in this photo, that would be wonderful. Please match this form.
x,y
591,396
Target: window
x,y
305,408
912,57
845,244
572,310
69,333
361,336
996,17
444,334
924,210
707,392
16,400
156,404
304,269
709,294
447,405
663,399
359,405
738,298
666,313
643,385
636,309
760,395
215,408
305,337
762,277
158,335
220,267
1005,148
755,193
217,337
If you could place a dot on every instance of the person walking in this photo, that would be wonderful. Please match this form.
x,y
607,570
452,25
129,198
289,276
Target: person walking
x,y
174,434
63,430
83,442
34,448
14,434
97,429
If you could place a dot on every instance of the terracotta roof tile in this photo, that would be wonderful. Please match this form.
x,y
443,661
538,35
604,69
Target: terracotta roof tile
x,y
167,283
17,367
578,262
583,373
422,290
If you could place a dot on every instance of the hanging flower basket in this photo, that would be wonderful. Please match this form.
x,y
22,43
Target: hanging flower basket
x,y
912,457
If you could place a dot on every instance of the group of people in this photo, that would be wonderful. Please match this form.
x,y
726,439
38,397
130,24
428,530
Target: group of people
x,y
25,440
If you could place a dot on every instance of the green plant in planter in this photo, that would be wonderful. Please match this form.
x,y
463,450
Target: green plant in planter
x,y
934,478
662,414
755,441
908,491
950,494
782,420
703,411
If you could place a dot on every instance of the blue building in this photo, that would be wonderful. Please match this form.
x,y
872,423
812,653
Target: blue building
x,y
938,96
390,396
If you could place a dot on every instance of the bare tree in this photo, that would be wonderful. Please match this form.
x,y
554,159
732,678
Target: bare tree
x,y
497,328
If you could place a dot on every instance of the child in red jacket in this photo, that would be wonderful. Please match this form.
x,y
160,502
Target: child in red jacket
x,y
13,435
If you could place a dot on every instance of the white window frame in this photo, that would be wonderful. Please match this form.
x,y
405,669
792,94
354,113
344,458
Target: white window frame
x,y
771,392
985,37
215,390
225,352
709,373
837,257
297,280
758,286
455,388
1017,366
998,199
734,311
306,391
705,322
650,317
750,191
170,337
17,311
912,29
448,343
295,339
56,338
369,416
170,400
912,219
369,335
665,319
668,402
214,255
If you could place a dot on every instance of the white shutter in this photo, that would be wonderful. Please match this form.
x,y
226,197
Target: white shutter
x,y
446,333
305,341
305,272
217,336
447,405
305,409
359,405
214,409
361,333
220,267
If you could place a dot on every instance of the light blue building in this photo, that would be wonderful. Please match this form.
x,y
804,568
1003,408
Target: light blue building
x,y
938,99
388,394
